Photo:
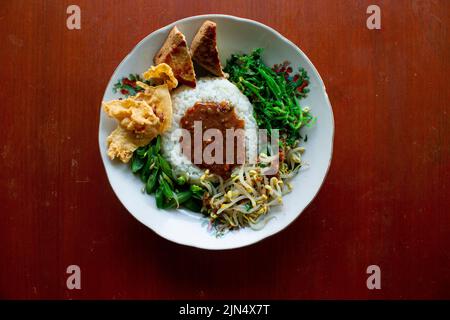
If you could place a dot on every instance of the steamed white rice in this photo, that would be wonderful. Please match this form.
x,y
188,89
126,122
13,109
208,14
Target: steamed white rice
x,y
207,90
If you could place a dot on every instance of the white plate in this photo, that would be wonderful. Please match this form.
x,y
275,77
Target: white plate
x,y
235,35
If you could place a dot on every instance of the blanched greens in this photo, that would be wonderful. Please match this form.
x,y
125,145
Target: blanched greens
x,y
156,173
274,93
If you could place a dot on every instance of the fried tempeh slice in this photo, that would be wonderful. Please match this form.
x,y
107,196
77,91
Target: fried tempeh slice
x,y
176,54
204,48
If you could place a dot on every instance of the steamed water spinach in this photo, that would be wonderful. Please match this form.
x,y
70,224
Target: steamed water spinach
x,y
274,92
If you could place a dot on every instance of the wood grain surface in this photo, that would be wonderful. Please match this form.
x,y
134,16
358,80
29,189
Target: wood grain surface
x,y
385,201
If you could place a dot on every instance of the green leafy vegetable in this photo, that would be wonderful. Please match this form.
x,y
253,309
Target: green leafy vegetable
x,y
274,93
145,172
165,166
151,182
180,198
137,163
159,196
156,172
181,180
197,191
193,205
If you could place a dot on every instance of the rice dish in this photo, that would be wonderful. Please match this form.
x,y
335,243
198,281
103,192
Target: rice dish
x,y
208,89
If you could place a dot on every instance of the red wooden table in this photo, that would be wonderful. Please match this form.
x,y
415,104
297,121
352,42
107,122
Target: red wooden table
x,y
385,201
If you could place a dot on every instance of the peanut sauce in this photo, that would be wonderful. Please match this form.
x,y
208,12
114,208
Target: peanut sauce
x,y
220,116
